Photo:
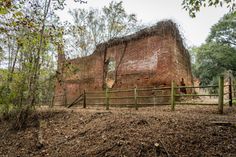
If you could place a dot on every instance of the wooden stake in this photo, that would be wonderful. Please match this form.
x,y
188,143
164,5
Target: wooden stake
x,y
107,98
135,98
172,95
221,95
230,92
84,104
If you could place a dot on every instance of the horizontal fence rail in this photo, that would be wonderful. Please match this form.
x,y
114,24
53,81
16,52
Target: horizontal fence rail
x,y
138,97
193,95
213,86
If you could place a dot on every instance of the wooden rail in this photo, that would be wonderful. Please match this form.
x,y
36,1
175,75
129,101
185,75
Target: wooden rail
x,y
195,95
136,95
195,103
154,89
80,98
212,86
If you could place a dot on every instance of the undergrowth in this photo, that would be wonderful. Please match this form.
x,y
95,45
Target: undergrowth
x,y
18,117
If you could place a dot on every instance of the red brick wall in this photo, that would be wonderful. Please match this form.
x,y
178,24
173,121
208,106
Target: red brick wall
x,y
150,61
181,65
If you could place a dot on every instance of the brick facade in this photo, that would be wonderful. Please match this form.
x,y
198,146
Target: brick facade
x,y
152,57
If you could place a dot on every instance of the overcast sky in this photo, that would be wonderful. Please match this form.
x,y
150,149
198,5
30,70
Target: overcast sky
x,y
195,30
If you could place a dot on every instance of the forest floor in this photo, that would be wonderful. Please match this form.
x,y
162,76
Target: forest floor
x,y
122,132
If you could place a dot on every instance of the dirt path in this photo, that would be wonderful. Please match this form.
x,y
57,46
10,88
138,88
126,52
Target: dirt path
x,y
153,131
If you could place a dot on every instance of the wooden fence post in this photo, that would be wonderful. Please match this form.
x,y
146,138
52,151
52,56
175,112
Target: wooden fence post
x,y
172,95
135,98
107,98
84,103
154,97
52,102
230,92
221,95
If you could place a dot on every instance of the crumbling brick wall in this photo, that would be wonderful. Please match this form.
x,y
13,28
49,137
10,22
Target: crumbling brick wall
x,y
150,58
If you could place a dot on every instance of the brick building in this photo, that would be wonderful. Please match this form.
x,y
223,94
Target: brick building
x,y
153,56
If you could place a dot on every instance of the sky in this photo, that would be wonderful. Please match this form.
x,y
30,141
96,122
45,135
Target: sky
x,y
195,30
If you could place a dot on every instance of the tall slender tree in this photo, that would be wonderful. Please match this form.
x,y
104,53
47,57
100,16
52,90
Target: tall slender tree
x,y
92,27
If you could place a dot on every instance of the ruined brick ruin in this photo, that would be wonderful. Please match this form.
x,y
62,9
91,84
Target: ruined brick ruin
x,y
151,57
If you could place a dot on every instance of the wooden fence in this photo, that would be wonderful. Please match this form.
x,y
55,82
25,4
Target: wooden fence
x,y
135,96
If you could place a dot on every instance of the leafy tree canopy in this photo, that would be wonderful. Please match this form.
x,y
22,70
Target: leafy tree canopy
x,y
218,54
213,59
225,30
193,6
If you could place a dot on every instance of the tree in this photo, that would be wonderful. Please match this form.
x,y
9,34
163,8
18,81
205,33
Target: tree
x,y
22,38
218,54
92,27
193,6
225,30
26,40
28,33
213,59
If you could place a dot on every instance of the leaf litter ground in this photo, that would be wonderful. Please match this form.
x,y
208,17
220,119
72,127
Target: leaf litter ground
x,y
150,131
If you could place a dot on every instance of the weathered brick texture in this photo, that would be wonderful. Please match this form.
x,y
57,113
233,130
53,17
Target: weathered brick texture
x,y
151,57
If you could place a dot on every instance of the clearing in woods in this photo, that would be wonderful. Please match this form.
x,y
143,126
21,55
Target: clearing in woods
x,y
151,131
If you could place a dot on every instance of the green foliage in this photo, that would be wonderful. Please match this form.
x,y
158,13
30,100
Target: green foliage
x,y
218,54
234,102
194,6
213,59
27,51
225,30
5,5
